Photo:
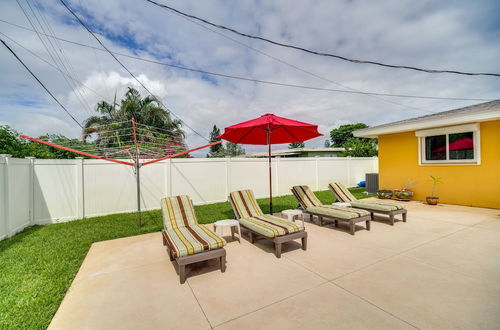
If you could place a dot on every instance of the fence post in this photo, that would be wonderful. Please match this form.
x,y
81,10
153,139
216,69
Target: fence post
x,y
80,189
277,176
348,171
228,175
168,177
317,172
32,190
6,194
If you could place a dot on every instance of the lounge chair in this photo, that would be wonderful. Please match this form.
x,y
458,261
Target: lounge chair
x,y
187,241
258,224
311,205
391,209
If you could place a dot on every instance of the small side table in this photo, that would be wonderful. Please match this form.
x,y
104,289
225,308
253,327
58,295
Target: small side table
x,y
231,223
294,214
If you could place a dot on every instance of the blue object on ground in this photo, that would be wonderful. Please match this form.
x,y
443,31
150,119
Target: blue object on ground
x,y
362,184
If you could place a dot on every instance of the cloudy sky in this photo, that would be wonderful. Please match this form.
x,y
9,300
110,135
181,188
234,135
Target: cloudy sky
x,y
455,35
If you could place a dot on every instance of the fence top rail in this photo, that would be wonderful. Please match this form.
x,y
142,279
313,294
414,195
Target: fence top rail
x,y
185,160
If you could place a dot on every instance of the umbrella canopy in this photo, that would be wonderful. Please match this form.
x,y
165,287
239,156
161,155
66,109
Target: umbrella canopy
x,y
278,129
269,129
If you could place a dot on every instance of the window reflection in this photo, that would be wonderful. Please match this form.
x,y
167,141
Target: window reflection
x,y
435,147
461,145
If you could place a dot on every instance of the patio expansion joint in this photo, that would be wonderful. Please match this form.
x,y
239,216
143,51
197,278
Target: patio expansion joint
x,y
423,262
198,302
374,305
387,258
117,270
398,254
273,303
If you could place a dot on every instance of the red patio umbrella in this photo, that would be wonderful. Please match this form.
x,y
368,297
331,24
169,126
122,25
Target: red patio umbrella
x,y
270,129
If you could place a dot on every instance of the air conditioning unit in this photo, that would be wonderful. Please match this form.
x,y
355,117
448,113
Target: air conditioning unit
x,y
371,182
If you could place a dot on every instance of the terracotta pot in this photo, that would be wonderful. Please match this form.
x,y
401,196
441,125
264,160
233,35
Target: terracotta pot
x,y
432,200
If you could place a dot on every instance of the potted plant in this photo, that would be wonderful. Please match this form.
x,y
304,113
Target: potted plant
x,y
384,194
432,199
405,193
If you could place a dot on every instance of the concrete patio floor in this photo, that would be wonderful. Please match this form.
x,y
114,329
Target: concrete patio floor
x,y
441,269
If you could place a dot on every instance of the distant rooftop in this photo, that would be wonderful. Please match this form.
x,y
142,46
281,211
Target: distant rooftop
x,y
295,152
473,113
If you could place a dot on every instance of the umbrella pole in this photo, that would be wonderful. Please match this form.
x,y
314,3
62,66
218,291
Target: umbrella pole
x,y
270,172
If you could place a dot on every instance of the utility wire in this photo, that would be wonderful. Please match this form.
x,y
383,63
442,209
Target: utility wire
x,y
294,66
257,80
38,80
126,69
71,70
53,54
56,68
222,27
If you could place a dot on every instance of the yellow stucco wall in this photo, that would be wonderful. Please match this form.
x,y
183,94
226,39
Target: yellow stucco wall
x,y
472,185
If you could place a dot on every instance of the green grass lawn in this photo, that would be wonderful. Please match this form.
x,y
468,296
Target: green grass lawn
x,y
38,264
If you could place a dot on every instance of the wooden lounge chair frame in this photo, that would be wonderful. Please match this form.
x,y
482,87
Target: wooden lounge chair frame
x,y
278,241
219,253
391,214
335,220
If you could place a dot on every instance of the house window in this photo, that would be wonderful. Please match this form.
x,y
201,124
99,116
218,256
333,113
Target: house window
x,y
435,147
457,144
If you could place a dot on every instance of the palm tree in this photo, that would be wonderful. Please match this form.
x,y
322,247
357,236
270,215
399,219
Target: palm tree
x,y
113,120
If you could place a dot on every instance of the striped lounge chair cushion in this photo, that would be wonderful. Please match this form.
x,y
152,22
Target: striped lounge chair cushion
x,y
178,212
245,204
251,216
306,197
343,195
270,226
340,212
188,240
377,206
312,204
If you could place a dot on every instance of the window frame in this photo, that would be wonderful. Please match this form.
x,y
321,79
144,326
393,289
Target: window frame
x,y
446,131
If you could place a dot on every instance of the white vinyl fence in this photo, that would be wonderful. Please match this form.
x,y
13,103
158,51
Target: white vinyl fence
x,y
40,191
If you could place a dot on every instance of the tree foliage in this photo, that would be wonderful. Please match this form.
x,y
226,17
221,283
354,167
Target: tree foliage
x,y
233,149
147,111
355,147
340,135
295,145
11,143
223,150
215,151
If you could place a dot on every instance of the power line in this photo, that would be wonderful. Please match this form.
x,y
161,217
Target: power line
x,y
126,69
53,54
258,80
38,80
56,68
294,66
393,66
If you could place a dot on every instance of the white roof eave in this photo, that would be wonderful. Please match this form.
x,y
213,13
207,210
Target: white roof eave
x,y
424,123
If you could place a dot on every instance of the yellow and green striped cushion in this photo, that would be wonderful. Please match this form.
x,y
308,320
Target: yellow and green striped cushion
x,y
245,204
377,206
343,195
188,240
270,226
178,212
305,196
340,212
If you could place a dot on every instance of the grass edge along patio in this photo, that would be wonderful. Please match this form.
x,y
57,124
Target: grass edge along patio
x,y
40,263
